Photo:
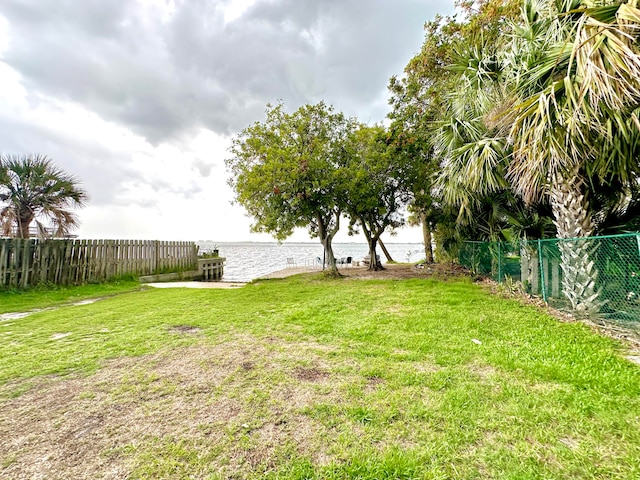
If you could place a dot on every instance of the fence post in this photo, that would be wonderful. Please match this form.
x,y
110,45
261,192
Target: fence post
x,y
555,278
544,287
499,262
156,247
524,261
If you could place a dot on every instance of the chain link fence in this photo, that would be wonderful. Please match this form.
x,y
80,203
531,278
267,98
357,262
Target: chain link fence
x,y
596,276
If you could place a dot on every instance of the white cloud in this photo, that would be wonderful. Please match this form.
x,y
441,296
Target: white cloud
x,y
236,8
139,99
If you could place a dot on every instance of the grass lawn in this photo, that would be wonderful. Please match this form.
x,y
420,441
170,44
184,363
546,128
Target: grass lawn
x,y
49,296
313,378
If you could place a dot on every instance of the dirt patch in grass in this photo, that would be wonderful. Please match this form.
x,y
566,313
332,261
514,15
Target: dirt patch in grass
x,y
312,374
441,271
483,371
235,397
185,329
425,367
373,383
634,358
248,365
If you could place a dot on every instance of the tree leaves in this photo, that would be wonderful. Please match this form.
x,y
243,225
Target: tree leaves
x,y
284,171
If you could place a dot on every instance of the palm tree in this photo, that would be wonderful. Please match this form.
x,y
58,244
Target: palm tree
x,y
574,70
556,113
33,189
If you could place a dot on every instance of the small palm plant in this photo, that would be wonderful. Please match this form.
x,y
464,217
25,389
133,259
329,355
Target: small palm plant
x,y
33,189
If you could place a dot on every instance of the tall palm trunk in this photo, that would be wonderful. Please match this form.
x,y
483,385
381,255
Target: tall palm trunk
x,y
24,222
573,222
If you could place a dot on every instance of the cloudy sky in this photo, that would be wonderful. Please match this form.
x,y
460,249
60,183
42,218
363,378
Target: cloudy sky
x,y
139,98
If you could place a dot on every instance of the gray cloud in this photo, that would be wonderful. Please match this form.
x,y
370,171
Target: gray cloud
x,y
203,167
164,78
99,170
102,172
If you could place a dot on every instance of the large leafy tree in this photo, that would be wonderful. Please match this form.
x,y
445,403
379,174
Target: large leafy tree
x,y
284,172
416,101
416,155
375,187
34,190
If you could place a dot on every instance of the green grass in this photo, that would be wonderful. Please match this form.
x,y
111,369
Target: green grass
x,y
315,378
16,300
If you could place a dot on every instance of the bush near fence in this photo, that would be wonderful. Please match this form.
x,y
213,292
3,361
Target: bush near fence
x,y
28,262
537,264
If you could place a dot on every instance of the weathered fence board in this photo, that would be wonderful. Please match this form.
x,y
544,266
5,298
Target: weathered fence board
x,y
25,262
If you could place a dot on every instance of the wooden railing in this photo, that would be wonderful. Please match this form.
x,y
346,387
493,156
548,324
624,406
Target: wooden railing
x,y
26,262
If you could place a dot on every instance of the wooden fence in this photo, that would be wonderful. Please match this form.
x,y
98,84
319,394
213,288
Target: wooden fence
x,y
25,262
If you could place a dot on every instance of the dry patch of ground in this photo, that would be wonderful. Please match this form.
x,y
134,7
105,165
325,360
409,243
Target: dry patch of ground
x,y
401,271
18,315
234,406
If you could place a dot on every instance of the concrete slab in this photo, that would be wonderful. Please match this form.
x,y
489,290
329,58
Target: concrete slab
x,y
196,284
287,272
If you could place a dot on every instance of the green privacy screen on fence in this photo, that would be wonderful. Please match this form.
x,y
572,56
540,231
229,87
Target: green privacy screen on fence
x,y
593,275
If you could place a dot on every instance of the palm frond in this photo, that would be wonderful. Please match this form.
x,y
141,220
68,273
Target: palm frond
x,y
32,186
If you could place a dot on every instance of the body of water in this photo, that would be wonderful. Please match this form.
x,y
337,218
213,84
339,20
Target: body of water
x,y
248,261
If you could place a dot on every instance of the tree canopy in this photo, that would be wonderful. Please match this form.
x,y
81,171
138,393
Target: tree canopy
x,y
375,186
284,172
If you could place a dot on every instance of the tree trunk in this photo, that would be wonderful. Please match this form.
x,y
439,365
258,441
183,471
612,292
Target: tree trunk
x,y
329,259
22,229
385,251
372,240
426,238
573,221
326,238
374,264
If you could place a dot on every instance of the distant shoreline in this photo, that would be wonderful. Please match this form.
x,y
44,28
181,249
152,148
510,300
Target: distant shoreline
x,y
299,243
